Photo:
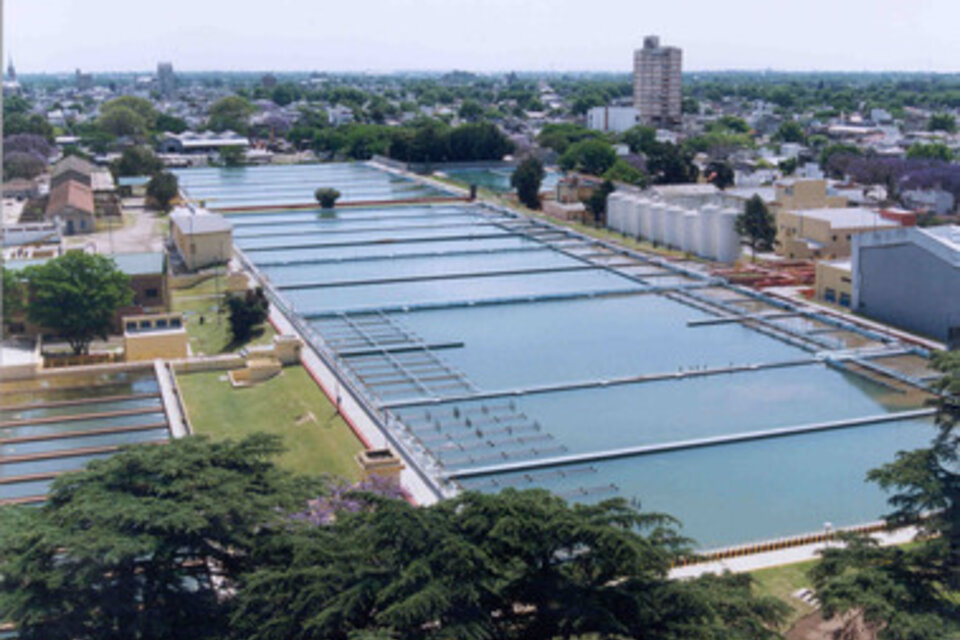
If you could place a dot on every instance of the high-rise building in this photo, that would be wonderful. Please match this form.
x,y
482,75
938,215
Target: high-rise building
x,y
657,91
84,80
166,81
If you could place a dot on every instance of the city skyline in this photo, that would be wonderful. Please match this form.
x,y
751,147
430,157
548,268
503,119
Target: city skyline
x,y
476,35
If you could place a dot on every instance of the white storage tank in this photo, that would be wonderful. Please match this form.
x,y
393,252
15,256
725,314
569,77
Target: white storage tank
x,y
688,238
657,215
708,231
646,219
616,202
728,240
674,228
632,225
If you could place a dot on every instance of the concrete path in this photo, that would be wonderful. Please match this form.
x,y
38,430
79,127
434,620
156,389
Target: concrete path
x,y
139,235
783,556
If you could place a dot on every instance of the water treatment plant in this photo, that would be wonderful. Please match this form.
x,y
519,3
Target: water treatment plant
x,y
496,350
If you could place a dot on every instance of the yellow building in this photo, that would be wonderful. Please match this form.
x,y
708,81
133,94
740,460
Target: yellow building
x,y
790,195
810,234
834,282
202,239
152,336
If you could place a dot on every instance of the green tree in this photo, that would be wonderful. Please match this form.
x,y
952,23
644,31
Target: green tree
x,y
326,197
125,549
232,156
720,174
231,112
597,201
757,224
13,301
141,106
942,122
170,123
247,312
516,565
33,123
559,137
909,592
470,110
77,296
623,171
163,188
526,179
640,139
931,151
122,121
669,164
790,131
137,161
589,156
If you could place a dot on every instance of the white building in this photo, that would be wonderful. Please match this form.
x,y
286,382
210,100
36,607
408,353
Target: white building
x,y
617,119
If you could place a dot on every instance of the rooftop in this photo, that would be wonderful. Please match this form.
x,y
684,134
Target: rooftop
x,y
75,163
70,194
132,264
948,235
847,218
195,223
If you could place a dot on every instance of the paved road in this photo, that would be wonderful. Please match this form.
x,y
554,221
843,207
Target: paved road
x,y
140,234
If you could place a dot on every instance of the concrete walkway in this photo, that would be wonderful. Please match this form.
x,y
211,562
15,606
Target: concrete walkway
x,y
782,557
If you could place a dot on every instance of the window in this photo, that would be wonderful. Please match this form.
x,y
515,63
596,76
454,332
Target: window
x,y
131,326
834,238
845,299
145,324
152,293
848,237
175,322
844,279
830,295
162,323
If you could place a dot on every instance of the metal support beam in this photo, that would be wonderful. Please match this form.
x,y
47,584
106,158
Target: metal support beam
x,y
626,452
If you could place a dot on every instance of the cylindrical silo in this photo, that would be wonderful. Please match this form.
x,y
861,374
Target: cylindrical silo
x,y
645,218
657,214
728,240
674,227
615,206
688,237
708,231
632,227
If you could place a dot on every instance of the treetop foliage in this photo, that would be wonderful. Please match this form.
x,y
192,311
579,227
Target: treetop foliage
x,y
210,540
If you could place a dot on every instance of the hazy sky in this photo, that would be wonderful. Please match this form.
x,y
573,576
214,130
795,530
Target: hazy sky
x,y
478,35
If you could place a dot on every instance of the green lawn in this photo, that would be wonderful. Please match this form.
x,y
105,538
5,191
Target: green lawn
x,y
211,335
781,582
290,405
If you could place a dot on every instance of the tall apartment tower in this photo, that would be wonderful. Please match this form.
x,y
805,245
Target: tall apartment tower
x,y
166,81
657,92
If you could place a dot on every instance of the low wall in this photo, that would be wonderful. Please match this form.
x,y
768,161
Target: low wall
x,y
430,167
212,363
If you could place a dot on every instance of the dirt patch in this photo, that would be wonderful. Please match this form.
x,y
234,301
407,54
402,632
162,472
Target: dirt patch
x,y
848,627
